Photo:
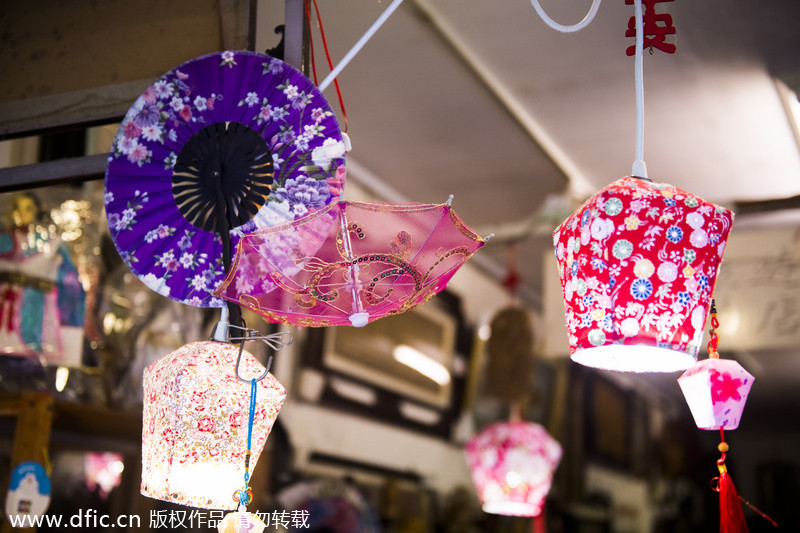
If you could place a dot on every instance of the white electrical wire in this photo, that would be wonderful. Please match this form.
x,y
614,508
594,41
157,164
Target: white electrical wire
x,y
567,29
639,168
359,45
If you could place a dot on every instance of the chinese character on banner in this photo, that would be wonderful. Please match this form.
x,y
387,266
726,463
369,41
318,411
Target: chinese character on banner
x,y
656,27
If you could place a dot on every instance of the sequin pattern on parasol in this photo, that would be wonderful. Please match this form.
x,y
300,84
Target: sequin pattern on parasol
x,y
377,259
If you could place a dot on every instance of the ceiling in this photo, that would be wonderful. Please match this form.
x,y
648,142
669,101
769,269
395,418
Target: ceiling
x,y
521,122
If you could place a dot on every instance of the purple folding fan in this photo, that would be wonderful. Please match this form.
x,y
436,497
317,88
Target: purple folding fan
x,y
218,147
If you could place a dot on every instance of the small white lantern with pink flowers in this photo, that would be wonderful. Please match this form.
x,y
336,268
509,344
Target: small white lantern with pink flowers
x,y
716,391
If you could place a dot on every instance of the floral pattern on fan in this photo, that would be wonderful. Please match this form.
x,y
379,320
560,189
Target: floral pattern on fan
x,y
650,268
271,123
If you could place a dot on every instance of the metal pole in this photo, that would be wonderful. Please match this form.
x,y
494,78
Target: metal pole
x,y
295,49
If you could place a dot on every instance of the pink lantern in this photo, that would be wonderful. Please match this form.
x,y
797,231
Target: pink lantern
x,y
512,465
195,423
638,262
716,391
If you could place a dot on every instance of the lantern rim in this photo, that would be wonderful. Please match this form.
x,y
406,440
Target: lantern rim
x,y
511,508
634,358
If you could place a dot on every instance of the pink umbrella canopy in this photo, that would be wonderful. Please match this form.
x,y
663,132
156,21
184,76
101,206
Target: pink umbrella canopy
x,y
376,259
512,465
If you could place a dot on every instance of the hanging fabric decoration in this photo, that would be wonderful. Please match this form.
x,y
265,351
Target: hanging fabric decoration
x,y
510,347
638,262
195,428
511,357
657,26
716,391
512,465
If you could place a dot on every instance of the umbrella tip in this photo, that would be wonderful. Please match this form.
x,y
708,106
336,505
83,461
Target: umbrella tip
x,y
359,320
449,200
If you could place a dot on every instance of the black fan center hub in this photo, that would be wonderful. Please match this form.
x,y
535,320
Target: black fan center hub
x,y
222,176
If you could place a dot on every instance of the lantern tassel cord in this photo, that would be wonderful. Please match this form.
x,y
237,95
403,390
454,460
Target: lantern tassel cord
x,y
245,496
713,342
731,518
539,523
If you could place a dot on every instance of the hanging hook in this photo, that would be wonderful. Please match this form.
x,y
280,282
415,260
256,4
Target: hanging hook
x,y
276,341
239,359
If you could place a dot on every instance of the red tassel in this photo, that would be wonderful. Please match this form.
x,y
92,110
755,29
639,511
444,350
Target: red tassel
x,y
731,516
539,523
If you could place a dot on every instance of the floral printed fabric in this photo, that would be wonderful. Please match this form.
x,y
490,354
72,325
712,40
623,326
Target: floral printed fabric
x,y
512,465
195,421
170,255
716,391
638,263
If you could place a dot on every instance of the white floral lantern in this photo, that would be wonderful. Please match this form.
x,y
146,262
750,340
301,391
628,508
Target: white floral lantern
x,y
195,424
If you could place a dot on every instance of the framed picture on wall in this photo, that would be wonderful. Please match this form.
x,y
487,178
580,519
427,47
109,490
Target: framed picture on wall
x,y
609,423
406,369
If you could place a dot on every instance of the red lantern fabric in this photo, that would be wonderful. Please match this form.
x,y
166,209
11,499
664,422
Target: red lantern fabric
x,y
512,465
716,391
638,263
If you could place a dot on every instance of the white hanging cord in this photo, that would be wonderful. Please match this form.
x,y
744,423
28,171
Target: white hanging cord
x,y
567,29
359,45
639,168
220,333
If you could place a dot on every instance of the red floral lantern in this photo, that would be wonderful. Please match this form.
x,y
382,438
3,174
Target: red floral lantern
x,y
638,262
195,423
512,465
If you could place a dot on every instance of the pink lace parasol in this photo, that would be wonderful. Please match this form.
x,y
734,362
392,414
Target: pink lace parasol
x,y
377,259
